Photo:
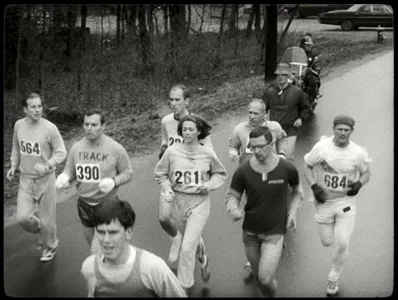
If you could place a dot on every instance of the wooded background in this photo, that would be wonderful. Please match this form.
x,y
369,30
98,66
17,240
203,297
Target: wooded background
x,y
52,49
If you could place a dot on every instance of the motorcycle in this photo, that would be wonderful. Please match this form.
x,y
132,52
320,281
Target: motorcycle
x,y
297,59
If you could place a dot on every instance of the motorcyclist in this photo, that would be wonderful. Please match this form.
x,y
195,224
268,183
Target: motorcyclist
x,y
312,80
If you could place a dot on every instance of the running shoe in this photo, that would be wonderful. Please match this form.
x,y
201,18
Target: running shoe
x,y
332,288
205,269
175,248
247,266
48,254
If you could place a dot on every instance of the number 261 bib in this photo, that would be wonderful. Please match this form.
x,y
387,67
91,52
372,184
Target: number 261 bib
x,y
88,173
187,177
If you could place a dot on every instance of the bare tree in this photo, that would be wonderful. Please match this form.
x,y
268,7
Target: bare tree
x,y
189,18
131,22
145,42
250,22
21,21
202,18
82,39
150,10
118,21
166,17
217,61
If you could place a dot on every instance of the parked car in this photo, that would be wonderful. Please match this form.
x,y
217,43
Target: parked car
x,y
307,10
366,15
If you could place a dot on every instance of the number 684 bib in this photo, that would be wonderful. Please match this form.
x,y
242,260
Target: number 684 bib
x,y
88,173
335,182
187,177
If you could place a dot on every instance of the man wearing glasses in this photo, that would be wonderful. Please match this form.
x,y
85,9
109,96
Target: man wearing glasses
x,y
265,178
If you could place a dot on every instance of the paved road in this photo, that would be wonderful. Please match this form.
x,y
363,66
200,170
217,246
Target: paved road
x,y
366,93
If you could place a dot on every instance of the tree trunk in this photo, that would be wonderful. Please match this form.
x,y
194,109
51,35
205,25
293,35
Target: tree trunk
x,y
17,60
124,18
233,18
11,29
150,10
131,24
291,17
189,19
271,41
257,22
118,21
41,57
82,38
250,22
145,42
202,18
178,26
70,43
217,61
166,17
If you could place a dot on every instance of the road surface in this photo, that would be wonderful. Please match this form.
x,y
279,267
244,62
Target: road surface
x,y
366,93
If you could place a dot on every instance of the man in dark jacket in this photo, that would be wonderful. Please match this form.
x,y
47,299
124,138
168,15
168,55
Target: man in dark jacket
x,y
311,79
286,104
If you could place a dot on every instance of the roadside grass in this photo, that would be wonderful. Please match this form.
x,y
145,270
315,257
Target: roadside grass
x,y
130,98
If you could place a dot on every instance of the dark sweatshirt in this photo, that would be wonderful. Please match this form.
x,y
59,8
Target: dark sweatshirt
x,y
285,106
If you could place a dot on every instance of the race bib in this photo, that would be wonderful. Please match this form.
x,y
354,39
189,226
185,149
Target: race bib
x,y
30,148
175,139
88,173
191,177
248,150
335,182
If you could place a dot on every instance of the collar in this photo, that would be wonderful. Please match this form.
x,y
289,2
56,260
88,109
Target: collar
x,y
174,116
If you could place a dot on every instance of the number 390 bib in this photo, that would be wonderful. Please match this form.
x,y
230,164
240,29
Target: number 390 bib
x,y
89,173
188,177
335,182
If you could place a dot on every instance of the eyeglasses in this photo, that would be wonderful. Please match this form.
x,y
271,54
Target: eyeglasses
x,y
252,148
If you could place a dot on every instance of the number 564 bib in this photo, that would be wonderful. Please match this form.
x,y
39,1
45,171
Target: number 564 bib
x,y
188,177
89,173
335,182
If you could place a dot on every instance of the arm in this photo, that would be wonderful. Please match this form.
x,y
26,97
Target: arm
x,y
296,199
59,150
165,142
15,155
309,174
70,169
124,169
87,270
303,106
233,145
218,173
162,171
281,139
157,276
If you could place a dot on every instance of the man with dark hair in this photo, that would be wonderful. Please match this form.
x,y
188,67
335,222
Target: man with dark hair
x,y
37,148
100,165
265,178
336,169
123,270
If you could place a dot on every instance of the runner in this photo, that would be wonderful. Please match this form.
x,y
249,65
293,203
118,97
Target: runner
x,y
287,105
187,172
179,101
100,165
265,178
336,168
37,148
123,270
239,139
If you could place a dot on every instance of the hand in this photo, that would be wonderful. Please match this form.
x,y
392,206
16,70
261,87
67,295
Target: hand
x,y
164,147
168,194
236,214
319,193
291,221
204,189
41,169
355,187
62,181
10,174
106,185
298,123
233,156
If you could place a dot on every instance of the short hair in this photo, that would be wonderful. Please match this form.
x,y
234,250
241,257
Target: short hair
x,y
201,125
185,90
261,130
97,111
33,95
258,100
112,210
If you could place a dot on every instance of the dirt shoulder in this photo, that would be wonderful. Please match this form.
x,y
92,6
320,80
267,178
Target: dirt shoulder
x,y
238,89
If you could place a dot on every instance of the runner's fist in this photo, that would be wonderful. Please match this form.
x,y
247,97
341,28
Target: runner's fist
x,y
106,185
236,214
355,186
41,169
319,193
204,189
168,194
62,181
233,155
10,174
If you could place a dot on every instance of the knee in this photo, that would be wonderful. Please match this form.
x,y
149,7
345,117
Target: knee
x,y
342,246
28,223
